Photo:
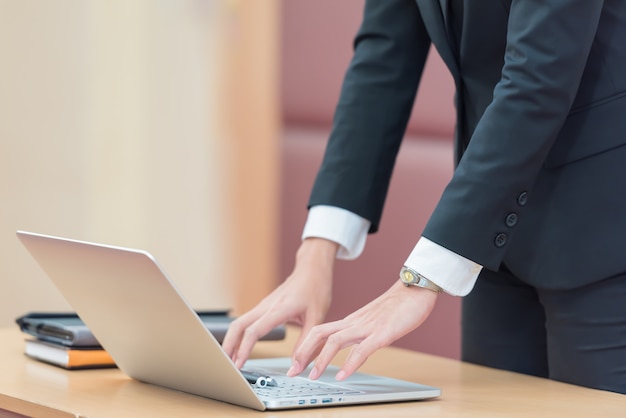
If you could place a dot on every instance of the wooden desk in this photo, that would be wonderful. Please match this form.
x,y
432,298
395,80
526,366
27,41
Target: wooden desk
x,y
35,389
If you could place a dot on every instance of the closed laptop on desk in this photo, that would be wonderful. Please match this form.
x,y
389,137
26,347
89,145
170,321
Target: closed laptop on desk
x,y
154,335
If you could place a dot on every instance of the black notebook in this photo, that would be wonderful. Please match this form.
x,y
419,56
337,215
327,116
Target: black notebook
x,y
68,329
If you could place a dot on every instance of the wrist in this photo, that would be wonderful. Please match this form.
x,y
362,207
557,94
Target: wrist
x,y
320,251
320,246
419,293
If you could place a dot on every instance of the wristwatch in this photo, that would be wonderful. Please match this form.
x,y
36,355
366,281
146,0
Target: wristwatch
x,y
410,277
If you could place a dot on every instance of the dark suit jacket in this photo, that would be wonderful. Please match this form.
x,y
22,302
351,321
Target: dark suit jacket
x,y
540,182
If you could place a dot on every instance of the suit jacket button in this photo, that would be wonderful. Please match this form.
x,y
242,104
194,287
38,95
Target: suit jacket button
x,y
511,219
500,240
522,198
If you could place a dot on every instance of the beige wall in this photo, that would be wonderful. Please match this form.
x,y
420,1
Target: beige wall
x,y
111,130
252,122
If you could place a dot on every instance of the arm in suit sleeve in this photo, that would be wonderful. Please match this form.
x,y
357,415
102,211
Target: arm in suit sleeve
x,y
547,49
373,110
453,273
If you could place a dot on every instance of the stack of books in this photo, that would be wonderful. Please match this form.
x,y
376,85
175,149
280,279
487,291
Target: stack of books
x,y
68,357
63,339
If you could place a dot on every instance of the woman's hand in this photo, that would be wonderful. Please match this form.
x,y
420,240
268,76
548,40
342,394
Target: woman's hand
x,y
378,324
303,298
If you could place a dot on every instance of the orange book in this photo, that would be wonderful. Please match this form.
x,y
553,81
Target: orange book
x,y
68,357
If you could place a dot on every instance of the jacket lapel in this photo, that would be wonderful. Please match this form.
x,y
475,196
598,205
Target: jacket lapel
x,y
434,16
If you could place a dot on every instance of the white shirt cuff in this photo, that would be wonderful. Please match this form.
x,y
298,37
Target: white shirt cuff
x,y
338,225
455,274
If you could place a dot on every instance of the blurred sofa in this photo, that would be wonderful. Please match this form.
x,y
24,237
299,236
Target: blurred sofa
x,y
316,49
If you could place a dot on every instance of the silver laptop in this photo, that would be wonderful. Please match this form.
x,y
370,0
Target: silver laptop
x,y
155,336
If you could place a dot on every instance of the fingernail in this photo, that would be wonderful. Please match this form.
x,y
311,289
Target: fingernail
x,y
340,375
294,369
314,373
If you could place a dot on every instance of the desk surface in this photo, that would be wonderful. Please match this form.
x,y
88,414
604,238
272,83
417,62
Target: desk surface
x,y
32,388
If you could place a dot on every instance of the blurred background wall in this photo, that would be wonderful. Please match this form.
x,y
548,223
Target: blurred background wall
x,y
147,123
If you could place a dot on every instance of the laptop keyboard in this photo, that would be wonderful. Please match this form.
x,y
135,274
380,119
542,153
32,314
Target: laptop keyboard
x,y
297,387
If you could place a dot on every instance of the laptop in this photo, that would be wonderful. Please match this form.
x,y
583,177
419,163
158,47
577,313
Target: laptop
x,y
156,337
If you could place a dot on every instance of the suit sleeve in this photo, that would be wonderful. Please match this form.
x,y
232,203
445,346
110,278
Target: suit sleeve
x,y
373,110
548,43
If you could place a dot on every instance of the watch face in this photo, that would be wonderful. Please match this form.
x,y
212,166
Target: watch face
x,y
407,277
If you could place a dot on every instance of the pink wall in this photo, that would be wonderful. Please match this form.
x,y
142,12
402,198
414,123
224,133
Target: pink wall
x,y
316,50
